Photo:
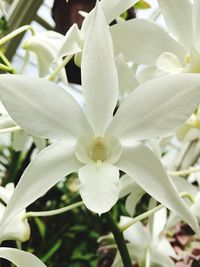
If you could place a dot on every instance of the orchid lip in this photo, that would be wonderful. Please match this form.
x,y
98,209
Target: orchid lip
x,y
98,148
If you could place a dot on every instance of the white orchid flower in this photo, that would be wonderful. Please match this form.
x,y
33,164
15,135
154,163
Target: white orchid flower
x,y
74,38
45,46
172,55
95,143
146,246
20,258
18,228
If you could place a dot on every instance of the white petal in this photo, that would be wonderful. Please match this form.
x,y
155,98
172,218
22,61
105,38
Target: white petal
x,y
20,258
169,63
6,192
183,185
41,107
17,229
144,167
19,139
113,9
133,199
127,185
161,259
138,39
178,16
99,186
136,233
45,46
196,23
127,79
148,73
165,246
99,74
48,167
159,221
6,121
157,107
72,42
40,143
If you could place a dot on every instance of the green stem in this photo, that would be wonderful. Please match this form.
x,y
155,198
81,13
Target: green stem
x,y
10,129
64,62
185,172
140,217
16,32
5,68
7,63
119,239
52,212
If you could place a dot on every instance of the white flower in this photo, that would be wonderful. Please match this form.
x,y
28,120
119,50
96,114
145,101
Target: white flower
x,y
95,143
74,39
148,244
20,258
18,228
45,46
172,55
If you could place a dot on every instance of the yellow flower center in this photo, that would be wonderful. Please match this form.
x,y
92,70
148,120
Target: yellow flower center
x,y
98,149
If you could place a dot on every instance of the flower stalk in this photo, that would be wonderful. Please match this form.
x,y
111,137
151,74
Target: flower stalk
x,y
119,239
185,172
52,212
62,65
16,32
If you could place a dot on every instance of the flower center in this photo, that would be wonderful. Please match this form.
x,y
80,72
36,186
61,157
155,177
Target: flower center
x,y
98,149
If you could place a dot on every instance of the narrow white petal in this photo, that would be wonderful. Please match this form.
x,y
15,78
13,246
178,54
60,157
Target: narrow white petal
x,y
144,167
42,108
133,199
178,16
72,42
99,186
127,185
183,185
113,9
160,258
99,74
20,258
165,246
138,39
48,167
136,233
157,107
159,222
127,78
